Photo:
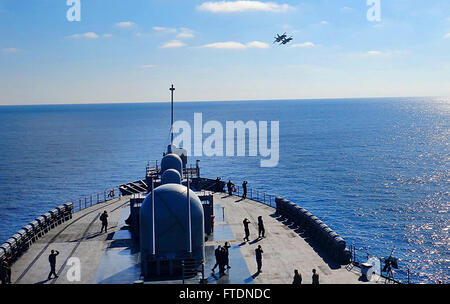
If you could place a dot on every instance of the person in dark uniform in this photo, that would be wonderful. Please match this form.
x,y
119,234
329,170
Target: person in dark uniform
x,y
217,185
5,272
52,261
227,261
258,253
297,278
217,254
222,260
261,230
315,277
104,220
230,186
2,273
244,189
246,230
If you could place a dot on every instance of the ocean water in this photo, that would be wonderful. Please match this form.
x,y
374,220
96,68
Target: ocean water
x,y
375,170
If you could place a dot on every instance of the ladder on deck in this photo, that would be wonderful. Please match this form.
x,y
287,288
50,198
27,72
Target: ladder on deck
x,y
191,268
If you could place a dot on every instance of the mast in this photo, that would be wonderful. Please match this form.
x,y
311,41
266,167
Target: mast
x,y
171,121
153,219
189,218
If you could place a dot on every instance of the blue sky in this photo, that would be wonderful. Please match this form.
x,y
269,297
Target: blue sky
x,y
131,51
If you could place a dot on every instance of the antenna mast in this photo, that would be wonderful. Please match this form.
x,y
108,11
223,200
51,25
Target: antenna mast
x,y
171,125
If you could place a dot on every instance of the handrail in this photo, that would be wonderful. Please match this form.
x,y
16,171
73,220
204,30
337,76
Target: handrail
x,y
360,256
257,196
16,245
94,199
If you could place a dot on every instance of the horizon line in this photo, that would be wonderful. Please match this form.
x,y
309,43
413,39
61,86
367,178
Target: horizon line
x,y
225,100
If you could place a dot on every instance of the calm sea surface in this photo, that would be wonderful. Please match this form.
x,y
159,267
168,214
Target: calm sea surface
x,y
377,171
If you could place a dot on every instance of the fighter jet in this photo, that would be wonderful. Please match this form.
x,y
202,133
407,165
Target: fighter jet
x,y
280,38
287,40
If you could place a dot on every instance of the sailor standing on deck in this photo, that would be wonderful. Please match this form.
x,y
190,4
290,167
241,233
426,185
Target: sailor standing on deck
x,y
230,186
5,272
217,254
2,273
261,230
244,188
315,277
222,260
217,185
52,261
258,253
227,260
104,219
246,230
297,278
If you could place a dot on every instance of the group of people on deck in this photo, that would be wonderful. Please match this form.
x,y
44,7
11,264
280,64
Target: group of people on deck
x,y
222,259
218,187
222,251
232,188
298,277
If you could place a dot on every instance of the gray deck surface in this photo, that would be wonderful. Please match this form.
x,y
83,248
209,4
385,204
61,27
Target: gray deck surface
x,y
79,238
113,257
284,249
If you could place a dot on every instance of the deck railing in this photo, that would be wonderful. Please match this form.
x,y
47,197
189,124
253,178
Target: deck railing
x,y
253,194
87,201
258,196
397,276
16,245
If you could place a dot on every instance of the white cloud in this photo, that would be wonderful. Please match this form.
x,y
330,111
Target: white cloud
x,y
173,44
258,45
125,24
374,53
324,22
447,36
185,33
383,53
10,50
387,53
303,45
89,35
148,66
232,45
243,6
165,30
181,33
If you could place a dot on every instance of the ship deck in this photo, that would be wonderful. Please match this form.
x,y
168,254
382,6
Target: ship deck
x,y
113,257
